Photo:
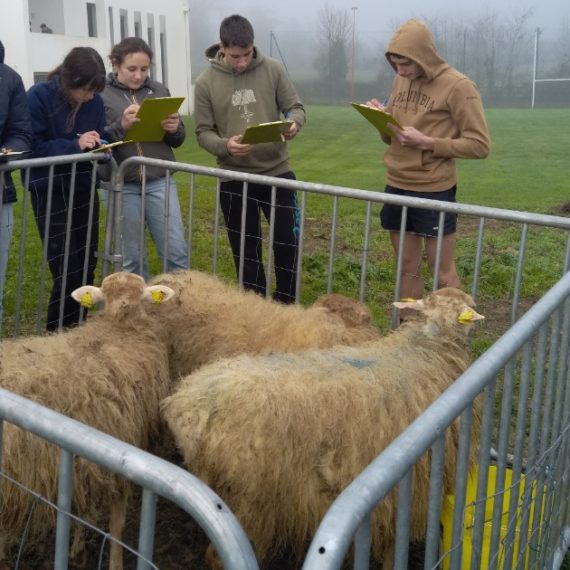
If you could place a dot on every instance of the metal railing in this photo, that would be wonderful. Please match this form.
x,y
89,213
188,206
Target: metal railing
x,y
156,476
533,355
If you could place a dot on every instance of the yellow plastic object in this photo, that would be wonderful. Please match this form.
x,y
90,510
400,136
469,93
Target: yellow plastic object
x,y
469,520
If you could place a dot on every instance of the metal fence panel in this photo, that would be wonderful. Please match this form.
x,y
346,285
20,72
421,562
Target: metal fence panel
x,y
523,377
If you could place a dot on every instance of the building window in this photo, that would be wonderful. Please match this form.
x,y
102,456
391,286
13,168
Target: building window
x,y
163,54
124,25
163,58
150,41
138,25
91,20
40,76
111,26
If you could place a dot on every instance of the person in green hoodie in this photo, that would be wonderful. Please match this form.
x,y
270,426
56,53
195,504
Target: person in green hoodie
x,y
442,116
243,87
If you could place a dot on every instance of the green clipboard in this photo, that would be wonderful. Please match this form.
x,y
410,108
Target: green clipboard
x,y
151,113
109,146
380,119
266,132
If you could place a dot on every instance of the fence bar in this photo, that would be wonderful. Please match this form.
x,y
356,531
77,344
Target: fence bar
x,y
434,507
362,544
504,429
518,278
243,234
332,245
483,470
190,236
513,507
438,248
146,529
300,247
365,250
64,496
403,521
271,244
159,476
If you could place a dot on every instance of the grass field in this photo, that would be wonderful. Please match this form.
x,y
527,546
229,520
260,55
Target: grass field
x,y
527,170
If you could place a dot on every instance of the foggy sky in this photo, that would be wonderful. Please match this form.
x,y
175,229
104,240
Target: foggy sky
x,y
294,23
373,16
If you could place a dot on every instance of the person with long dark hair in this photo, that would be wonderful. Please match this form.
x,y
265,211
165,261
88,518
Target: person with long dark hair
x,y
68,117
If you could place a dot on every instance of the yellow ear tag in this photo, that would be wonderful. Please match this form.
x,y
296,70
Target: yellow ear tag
x,y
407,300
466,317
87,301
157,296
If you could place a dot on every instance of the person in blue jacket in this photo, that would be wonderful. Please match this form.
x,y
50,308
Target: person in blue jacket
x,y
68,117
15,135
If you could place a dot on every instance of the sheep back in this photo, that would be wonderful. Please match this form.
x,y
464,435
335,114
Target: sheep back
x,y
210,319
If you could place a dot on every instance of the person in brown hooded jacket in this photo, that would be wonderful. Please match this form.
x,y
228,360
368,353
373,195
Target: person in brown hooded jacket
x,y
442,116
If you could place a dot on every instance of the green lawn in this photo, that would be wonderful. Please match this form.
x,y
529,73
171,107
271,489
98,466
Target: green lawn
x,y
528,170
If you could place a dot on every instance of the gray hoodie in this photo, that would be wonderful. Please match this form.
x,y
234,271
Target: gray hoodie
x,y
117,97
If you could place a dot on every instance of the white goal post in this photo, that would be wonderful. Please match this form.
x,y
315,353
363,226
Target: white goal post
x,y
537,33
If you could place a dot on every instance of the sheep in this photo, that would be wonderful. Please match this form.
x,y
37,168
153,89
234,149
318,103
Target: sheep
x,y
210,319
280,436
111,374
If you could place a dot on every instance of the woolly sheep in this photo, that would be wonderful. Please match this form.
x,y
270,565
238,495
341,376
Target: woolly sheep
x,y
110,374
210,319
280,436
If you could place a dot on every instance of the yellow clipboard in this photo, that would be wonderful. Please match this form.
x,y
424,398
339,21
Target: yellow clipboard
x,y
109,146
266,132
380,119
151,113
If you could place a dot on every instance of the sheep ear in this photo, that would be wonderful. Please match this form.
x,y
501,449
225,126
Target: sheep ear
x,y
414,304
468,315
157,293
88,296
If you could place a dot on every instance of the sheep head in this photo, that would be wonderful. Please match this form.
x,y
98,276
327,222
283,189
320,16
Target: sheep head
x,y
448,307
122,293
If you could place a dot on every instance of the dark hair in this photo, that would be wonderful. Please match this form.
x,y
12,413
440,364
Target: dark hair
x,y
128,46
236,31
81,68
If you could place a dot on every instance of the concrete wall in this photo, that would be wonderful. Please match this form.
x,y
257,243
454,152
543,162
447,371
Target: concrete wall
x,y
30,52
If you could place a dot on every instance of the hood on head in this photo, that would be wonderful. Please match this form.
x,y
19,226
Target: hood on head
x,y
2,52
414,40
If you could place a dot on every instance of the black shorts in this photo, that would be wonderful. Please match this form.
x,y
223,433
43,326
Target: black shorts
x,y
419,221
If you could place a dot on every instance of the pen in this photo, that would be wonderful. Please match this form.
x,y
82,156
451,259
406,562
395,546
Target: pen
x,y
127,98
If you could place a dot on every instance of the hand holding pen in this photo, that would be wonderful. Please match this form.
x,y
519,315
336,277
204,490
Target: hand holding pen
x,y
129,117
376,103
88,140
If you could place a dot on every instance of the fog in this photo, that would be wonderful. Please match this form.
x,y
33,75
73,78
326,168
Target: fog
x,y
493,42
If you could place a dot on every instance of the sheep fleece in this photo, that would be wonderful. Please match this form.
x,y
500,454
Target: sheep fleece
x,y
279,437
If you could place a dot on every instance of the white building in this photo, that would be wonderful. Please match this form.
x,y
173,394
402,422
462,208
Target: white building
x,y
164,25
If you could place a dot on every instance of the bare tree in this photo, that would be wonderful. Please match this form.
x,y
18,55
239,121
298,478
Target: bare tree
x,y
333,33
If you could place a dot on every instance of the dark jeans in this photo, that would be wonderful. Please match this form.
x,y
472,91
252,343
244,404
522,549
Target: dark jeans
x,y
80,250
285,240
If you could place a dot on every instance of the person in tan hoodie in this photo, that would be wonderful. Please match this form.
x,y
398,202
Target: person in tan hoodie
x,y
442,116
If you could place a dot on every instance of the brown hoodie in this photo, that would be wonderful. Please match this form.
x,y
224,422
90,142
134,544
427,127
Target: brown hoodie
x,y
443,104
